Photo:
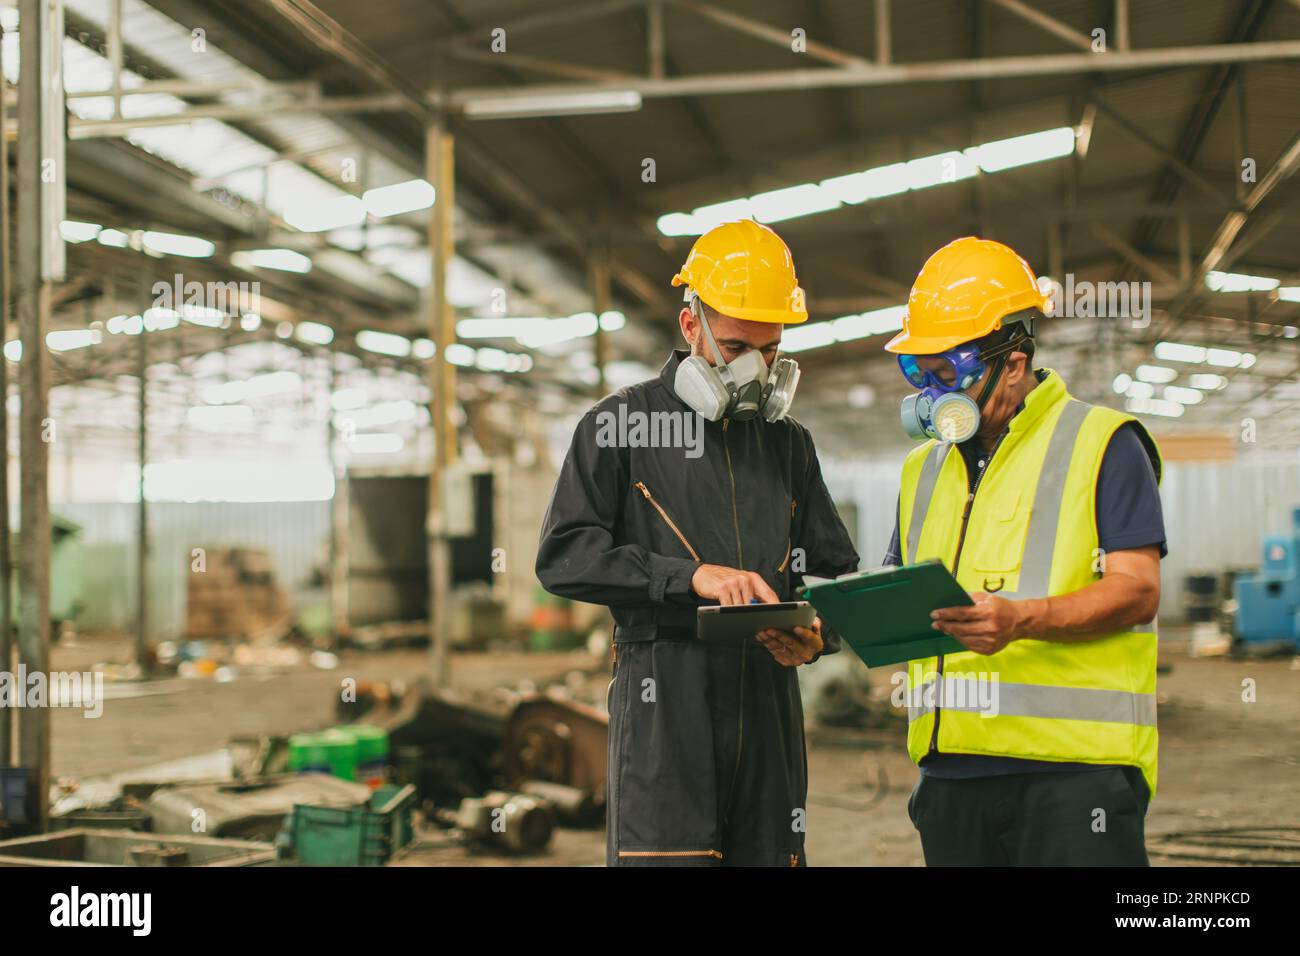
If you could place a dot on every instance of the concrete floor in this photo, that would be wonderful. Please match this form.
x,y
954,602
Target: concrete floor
x,y
1223,762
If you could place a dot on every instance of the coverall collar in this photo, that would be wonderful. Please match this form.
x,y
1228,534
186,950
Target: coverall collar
x,y
668,374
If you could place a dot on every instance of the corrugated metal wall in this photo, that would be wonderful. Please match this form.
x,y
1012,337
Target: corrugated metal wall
x,y
295,533
1215,514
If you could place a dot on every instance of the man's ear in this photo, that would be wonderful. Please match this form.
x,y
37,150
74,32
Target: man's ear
x,y
1017,368
689,326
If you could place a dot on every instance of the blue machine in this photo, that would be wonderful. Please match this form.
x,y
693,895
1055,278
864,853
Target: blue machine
x,y
1268,601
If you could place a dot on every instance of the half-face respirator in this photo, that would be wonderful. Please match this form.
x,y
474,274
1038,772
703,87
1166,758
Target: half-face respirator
x,y
737,390
942,409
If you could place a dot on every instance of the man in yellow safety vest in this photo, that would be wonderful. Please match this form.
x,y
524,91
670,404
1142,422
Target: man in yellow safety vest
x,y
1037,744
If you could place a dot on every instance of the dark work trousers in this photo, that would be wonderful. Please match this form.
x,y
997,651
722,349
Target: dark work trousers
x,y
1066,818
706,757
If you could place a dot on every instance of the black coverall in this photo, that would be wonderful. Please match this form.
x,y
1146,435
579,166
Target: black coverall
x,y
706,749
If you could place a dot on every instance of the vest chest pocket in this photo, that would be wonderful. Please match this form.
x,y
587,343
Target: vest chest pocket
x,y
995,541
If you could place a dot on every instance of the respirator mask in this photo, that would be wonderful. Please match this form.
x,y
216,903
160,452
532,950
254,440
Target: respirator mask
x,y
738,390
943,410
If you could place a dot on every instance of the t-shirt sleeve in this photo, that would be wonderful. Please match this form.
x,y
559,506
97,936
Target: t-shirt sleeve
x,y
894,556
1128,497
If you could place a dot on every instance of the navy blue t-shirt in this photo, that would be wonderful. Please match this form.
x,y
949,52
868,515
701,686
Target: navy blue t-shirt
x,y
1128,517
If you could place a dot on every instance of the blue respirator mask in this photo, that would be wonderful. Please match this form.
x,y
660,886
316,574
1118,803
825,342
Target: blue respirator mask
x,y
942,409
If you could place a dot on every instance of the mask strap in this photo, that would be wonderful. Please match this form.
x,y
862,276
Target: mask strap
x,y
723,369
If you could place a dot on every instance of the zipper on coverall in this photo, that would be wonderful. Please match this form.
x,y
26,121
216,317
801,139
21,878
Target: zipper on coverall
x,y
744,649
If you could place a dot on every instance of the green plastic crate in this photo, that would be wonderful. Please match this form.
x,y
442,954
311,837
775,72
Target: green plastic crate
x,y
361,836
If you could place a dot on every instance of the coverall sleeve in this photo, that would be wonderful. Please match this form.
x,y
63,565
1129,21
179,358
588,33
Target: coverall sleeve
x,y
827,548
578,556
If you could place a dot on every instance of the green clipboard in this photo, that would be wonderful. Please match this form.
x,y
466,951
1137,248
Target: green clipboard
x,y
884,615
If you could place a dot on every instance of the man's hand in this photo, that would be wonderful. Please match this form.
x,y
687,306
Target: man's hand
x,y
793,649
730,586
985,627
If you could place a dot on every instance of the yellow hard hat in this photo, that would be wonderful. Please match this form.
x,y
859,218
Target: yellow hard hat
x,y
744,270
962,293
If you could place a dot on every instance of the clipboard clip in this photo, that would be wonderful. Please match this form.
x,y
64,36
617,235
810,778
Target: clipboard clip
x,y
992,589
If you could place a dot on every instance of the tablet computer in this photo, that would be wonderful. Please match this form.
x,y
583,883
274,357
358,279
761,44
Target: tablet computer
x,y
741,622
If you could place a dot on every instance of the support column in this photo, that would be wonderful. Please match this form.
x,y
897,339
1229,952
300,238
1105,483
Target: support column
x,y
41,184
440,171
6,571
338,576
142,507
600,299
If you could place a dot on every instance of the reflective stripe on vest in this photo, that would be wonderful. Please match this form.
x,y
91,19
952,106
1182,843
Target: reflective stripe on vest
x,y
1038,700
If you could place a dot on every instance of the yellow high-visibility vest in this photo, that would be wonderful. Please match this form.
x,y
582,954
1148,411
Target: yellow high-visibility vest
x,y
1031,531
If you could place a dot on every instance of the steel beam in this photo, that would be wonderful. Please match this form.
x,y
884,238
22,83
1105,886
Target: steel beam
x,y
992,68
1049,23
1189,174
768,33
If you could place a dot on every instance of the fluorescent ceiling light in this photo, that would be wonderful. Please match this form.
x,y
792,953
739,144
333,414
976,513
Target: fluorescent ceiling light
x,y
1154,406
423,348
1122,381
1159,374
329,214
1178,352
64,340
385,413
399,198
73,231
286,260
458,353
384,343
157,320
1229,358
1208,382
199,315
14,350
1140,390
491,360
1239,282
869,184
250,321
259,386
1022,150
1183,396
791,202
171,244
800,338
938,169
846,328
876,183
114,237
348,398
125,325
612,321
554,104
706,217
314,333
1291,293
678,224
537,332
